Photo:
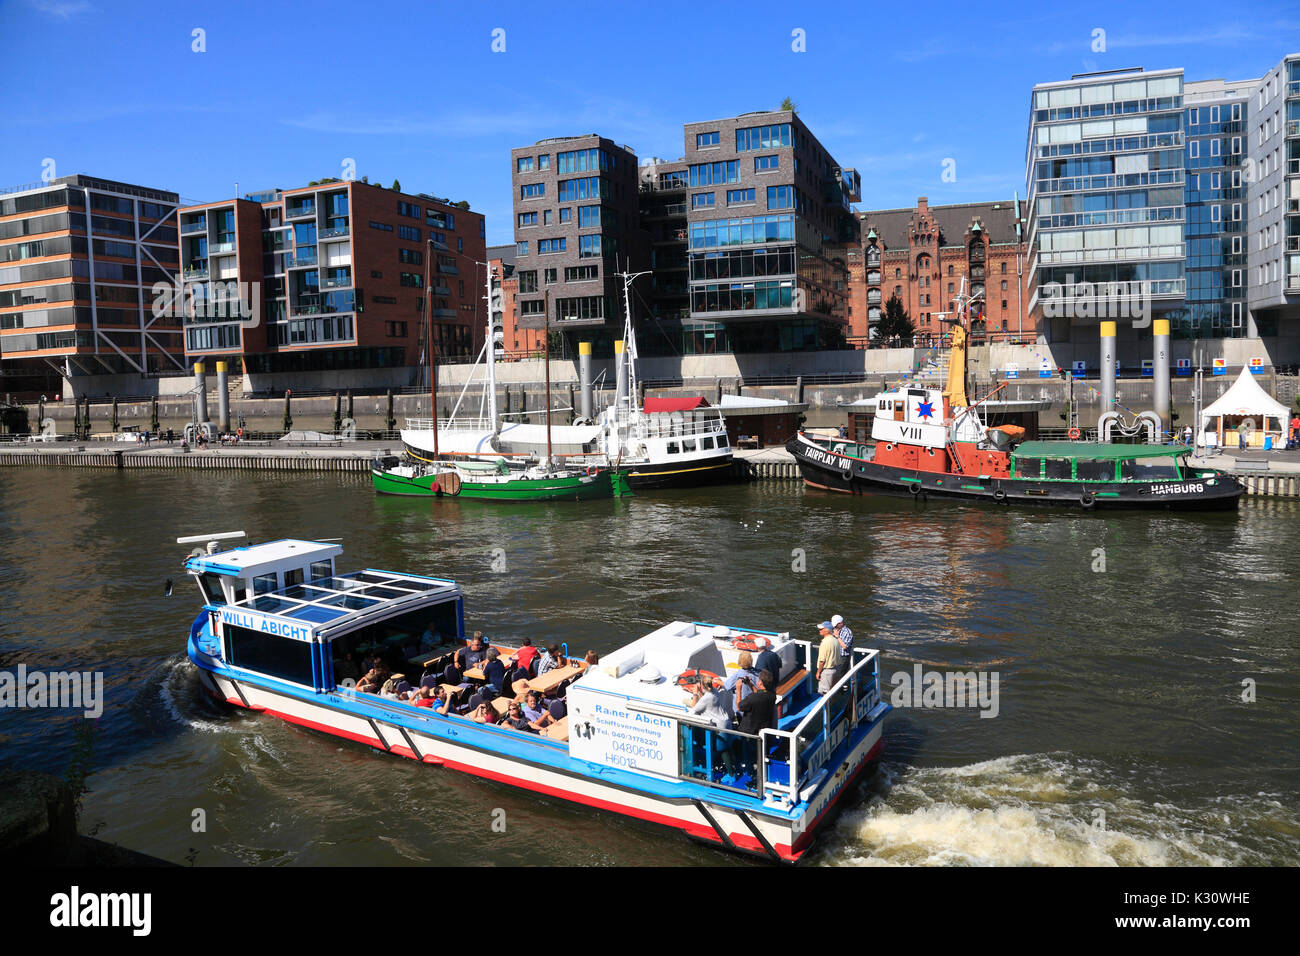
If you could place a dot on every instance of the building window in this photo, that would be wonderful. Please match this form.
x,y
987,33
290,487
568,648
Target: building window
x,y
527,219
581,273
735,196
706,140
780,197
411,257
699,200
763,164
712,174
549,276
544,161
395,330
566,214
532,191
763,137
408,209
546,247
412,280
546,217
521,248
528,281
409,233
524,164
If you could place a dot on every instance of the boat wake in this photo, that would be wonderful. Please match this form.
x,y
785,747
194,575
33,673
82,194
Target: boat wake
x,y
183,700
1049,810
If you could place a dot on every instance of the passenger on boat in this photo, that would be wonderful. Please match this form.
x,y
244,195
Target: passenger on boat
x,y
740,684
515,718
845,637
769,660
494,672
534,710
592,659
435,698
371,683
758,710
430,637
524,656
484,714
711,701
392,689
828,659
549,660
472,656
484,695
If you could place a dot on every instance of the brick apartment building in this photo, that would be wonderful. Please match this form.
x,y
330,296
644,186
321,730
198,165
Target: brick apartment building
x,y
338,272
75,299
516,342
922,255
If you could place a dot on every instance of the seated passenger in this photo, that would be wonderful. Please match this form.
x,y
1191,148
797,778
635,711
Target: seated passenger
x,y
483,695
515,718
484,714
534,711
592,659
549,660
524,656
494,672
711,702
471,656
402,688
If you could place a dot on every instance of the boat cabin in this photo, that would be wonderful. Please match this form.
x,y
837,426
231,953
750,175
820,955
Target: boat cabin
x,y
279,610
1073,461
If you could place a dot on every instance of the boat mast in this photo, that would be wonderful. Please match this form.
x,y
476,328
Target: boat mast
x,y
433,365
629,335
546,358
491,355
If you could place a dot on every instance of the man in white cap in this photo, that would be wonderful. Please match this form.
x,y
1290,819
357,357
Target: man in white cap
x,y
830,663
845,637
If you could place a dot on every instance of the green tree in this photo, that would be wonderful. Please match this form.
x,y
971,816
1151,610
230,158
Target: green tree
x,y
789,104
397,186
462,205
895,328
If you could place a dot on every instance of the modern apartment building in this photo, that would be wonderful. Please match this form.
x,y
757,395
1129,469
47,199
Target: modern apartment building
x,y
576,227
923,254
667,293
768,218
76,295
516,341
1187,194
330,278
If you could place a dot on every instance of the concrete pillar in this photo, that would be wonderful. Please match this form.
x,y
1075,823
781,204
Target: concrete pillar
x,y
223,398
1160,355
1107,367
584,379
620,393
201,384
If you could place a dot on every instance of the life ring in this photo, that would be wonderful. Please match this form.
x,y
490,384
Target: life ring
x,y
999,495
687,678
592,471
1087,499
1074,434
750,642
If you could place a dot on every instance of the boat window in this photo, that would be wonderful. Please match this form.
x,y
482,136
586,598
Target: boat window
x,y
672,448
706,443
292,577
264,583
722,441
1148,470
322,569
268,654
1095,470
688,444
399,640
210,585
1057,468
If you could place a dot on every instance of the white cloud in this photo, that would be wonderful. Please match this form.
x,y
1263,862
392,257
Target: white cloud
x,y
61,9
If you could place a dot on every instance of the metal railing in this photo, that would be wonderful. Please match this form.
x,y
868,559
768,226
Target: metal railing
x,y
1172,251
335,232
190,228
459,424
664,425
299,213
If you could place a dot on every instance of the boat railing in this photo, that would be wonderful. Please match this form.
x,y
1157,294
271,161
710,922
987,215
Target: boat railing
x,y
793,758
458,424
652,426
720,758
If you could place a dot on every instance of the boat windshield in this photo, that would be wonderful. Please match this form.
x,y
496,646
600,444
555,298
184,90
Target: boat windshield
x,y
1149,469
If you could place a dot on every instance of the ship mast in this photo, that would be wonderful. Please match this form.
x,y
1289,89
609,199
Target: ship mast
x,y
433,365
629,336
491,355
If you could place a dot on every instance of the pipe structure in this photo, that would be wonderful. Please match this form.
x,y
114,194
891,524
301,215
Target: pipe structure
x,y
201,393
223,397
584,379
1107,367
1160,354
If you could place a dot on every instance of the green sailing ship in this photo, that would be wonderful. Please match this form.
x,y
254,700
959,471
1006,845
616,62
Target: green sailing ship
x,y
496,481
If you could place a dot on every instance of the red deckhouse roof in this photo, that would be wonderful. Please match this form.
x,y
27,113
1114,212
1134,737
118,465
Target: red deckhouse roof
x,y
674,404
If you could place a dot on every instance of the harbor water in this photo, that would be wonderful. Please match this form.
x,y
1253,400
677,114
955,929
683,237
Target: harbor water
x,y
1146,665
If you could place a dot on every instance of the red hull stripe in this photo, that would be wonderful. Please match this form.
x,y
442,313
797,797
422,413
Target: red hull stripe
x,y
336,731
801,844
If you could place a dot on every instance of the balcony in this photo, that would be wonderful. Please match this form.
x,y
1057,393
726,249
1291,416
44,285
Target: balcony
x,y
192,228
217,248
873,297
307,304
441,290
1293,127
301,212
1293,88
197,270
343,283
444,313
1293,243
873,278
335,232
448,270
301,258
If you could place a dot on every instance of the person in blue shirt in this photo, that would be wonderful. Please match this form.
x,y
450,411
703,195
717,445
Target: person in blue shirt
x,y
770,661
494,672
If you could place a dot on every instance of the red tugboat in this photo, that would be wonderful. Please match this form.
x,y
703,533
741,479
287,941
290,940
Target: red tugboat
x,y
930,443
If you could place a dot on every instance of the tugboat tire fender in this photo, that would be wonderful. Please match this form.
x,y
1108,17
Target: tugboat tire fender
x,y
914,487
999,495
1087,500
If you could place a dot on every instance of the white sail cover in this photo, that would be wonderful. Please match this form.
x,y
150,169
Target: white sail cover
x,y
1246,397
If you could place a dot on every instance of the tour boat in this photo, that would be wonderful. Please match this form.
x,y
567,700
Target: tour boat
x,y
496,480
279,622
932,443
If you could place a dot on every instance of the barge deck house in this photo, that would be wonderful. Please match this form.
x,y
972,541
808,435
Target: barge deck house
x,y
278,619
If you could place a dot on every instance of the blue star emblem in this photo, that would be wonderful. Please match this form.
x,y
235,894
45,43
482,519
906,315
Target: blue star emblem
x,y
925,409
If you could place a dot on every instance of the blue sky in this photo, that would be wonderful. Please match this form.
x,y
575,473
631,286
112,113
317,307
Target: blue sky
x,y
286,92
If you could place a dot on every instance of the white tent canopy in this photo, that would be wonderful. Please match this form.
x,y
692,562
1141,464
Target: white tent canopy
x,y
1245,400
